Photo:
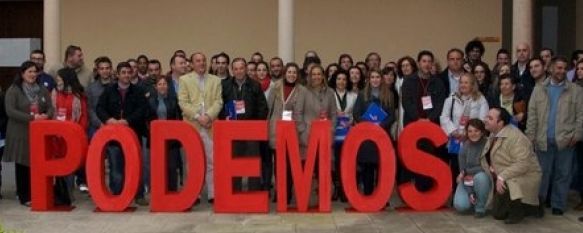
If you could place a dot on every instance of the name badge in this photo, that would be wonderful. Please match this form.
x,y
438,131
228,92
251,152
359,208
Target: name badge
x,y
427,104
239,106
286,115
61,114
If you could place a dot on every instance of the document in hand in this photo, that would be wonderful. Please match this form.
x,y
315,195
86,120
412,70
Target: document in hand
x,y
231,110
342,126
374,113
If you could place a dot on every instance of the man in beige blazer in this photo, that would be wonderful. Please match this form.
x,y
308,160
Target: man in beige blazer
x,y
514,167
200,98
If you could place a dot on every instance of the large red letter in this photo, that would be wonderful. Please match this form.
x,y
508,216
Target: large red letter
x,y
45,165
386,177
104,200
226,168
319,145
423,163
161,132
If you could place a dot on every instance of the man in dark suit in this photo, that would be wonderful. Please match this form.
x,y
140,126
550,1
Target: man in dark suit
x,y
520,71
244,100
451,75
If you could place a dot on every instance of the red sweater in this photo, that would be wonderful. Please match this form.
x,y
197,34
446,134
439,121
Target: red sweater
x,y
65,100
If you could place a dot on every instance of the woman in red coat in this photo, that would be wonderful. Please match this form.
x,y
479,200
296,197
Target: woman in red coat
x,y
70,104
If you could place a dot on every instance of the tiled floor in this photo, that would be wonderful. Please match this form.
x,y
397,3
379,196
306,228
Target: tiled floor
x,y
201,219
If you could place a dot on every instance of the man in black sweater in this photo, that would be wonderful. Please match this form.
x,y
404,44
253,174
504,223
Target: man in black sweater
x,y
122,103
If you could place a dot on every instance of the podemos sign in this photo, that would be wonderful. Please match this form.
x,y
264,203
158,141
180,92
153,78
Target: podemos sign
x,y
44,166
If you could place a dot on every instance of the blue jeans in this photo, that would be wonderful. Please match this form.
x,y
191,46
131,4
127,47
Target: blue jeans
x,y
116,170
557,167
482,186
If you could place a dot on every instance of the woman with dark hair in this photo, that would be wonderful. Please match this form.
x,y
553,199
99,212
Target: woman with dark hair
x,y
363,70
484,77
375,94
345,100
26,101
330,70
70,104
287,102
356,78
164,106
389,78
406,67
511,100
473,184
345,61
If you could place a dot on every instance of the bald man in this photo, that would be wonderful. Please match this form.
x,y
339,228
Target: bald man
x,y
520,71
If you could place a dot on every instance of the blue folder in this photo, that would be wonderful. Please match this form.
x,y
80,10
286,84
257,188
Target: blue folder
x,y
374,111
342,128
231,111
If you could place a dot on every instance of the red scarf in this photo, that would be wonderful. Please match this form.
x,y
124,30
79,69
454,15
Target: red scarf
x,y
265,83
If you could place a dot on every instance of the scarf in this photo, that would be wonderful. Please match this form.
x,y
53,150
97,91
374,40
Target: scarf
x,y
265,83
287,88
342,100
31,91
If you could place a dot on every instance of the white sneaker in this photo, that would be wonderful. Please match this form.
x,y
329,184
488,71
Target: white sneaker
x,y
83,188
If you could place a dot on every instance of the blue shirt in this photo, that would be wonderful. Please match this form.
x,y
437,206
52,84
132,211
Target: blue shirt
x,y
554,91
46,81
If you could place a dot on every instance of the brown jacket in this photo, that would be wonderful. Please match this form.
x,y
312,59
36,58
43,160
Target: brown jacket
x,y
514,160
276,104
569,120
318,101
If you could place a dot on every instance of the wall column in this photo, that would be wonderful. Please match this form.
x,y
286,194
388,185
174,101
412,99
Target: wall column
x,y
285,30
521,23
52,32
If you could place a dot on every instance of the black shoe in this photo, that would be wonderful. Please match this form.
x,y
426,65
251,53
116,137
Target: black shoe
x,y
512,220
211,201
580,219
480,214
540,212
557,212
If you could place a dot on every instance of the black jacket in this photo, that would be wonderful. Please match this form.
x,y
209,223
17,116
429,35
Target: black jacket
x,y
133,109
518,102
368,152
525,83
251,93
444,76
411,101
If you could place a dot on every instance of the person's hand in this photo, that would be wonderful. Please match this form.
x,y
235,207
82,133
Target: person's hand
x,y
492,169
519,117
203,120
573,142
500,186
111,121
460,177
38,117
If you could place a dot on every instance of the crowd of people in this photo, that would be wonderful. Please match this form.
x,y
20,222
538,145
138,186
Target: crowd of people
x,y
515,131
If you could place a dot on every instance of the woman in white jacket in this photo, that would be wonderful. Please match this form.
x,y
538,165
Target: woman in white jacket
x,y
465,104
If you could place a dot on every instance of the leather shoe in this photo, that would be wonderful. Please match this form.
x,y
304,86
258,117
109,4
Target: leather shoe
x,y
557,212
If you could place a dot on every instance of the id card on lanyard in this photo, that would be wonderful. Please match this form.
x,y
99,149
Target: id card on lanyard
x,y
287,114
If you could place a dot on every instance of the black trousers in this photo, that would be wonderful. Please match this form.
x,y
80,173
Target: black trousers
x,y
424,183
173,161
369,174
1,154
504,208
267,155
22,173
